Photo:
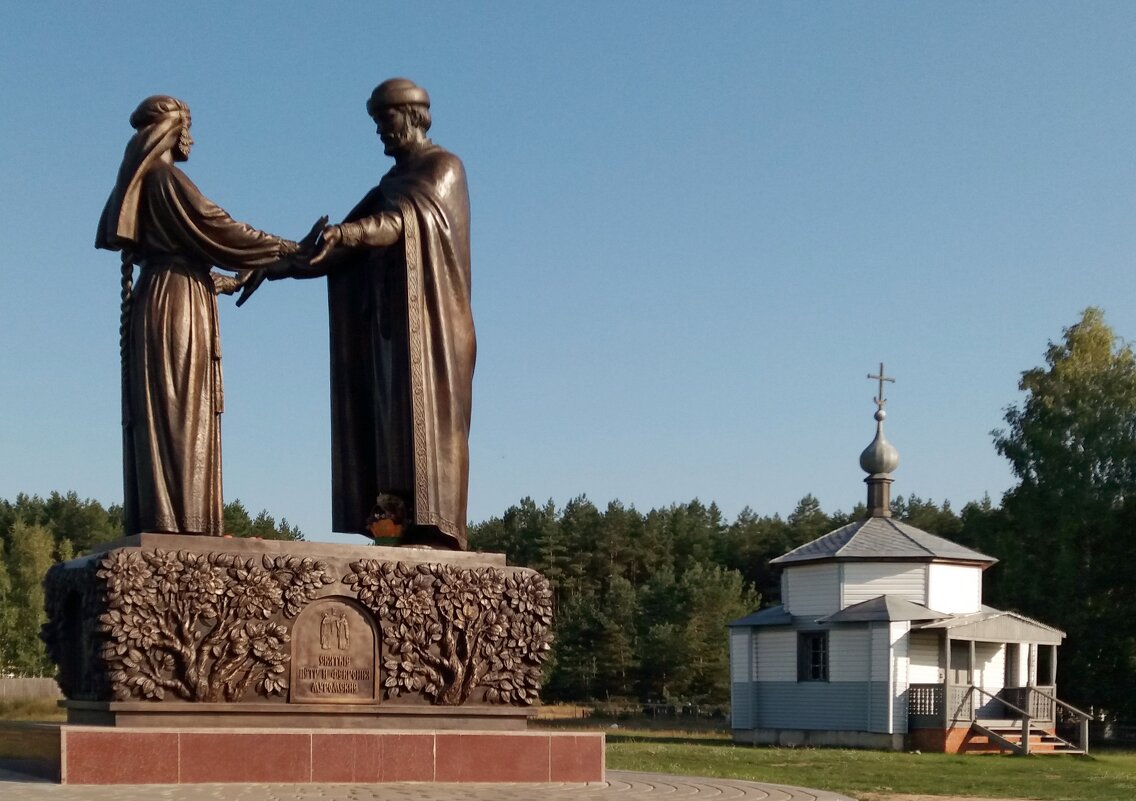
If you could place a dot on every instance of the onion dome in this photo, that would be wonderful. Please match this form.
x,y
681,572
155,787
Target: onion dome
x,y
880,458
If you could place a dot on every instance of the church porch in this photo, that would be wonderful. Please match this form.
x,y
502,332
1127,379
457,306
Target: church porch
x,y
997,687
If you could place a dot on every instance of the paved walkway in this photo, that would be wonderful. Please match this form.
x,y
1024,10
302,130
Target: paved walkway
x,y
620,786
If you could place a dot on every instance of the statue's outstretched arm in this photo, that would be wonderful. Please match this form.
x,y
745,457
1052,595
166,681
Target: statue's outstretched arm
x,y
379,230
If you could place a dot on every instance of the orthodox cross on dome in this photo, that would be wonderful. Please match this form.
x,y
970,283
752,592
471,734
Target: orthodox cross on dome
x,y
880,458
880,400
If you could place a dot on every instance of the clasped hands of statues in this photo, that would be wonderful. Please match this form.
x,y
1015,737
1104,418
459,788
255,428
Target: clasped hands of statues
x,y
308,259
292,262
302,262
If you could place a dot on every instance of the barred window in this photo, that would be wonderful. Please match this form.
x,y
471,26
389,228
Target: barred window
x,y
812,656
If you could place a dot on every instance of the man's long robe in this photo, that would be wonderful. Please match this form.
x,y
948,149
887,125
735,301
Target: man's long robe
x,y
402,354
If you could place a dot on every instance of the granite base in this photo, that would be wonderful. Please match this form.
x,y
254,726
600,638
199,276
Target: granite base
x,y
115,755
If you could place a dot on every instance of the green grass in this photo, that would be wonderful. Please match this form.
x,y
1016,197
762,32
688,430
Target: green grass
x,y
1107,776
32,709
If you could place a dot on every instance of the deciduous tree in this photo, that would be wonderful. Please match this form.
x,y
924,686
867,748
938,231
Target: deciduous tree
x,y
1068,545
31,551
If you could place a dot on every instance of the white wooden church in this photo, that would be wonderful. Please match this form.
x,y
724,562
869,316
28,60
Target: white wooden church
x,y
882,641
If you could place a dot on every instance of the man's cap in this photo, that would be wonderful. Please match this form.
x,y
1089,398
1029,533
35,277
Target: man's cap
x,y
397,92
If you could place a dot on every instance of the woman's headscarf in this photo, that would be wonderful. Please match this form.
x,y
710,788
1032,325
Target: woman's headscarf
x,y
158,121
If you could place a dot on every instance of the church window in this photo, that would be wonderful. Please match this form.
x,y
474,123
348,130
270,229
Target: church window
x,y
812,656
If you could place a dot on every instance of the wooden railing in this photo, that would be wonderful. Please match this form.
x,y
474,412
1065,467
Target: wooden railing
x,y
960,703
925,704
1081,717
934,705
1023,745
1040,702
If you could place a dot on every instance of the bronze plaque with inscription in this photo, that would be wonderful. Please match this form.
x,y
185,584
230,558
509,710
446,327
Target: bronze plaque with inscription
x,y
334,654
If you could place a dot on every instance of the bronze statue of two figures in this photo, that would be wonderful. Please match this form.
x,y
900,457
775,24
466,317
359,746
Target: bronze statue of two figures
x,y
160,629
306,635
402,336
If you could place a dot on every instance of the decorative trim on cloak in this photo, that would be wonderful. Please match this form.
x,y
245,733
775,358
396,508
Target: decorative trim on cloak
x,y
416,315
445,525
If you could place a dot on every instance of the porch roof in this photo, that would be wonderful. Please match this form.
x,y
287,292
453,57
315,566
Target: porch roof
x,y
994,625
883,607
882,538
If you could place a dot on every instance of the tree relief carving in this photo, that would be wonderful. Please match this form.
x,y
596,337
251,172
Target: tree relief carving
x,y
201,626
448,632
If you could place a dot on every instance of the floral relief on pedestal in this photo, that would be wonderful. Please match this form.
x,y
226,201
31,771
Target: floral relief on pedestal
x,y
452,634
201,626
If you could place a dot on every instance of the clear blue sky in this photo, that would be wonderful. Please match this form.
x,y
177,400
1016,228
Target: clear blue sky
x,y
697,227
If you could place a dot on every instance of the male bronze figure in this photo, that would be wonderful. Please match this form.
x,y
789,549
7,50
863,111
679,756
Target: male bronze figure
x,y
172,396
402,337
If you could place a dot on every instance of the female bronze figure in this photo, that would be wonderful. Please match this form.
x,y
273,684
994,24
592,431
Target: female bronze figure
x,y
172,395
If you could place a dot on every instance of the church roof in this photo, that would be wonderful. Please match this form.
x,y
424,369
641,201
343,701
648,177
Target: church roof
x,y
881,538
884,607
771,616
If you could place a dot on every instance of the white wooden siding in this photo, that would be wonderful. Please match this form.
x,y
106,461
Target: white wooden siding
x,y
776,655
900,639
849,653
1024,664
1017,678
863,581
956,589
991,661
811,589
925,662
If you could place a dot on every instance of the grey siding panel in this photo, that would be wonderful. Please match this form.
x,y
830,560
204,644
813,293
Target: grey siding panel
x,y
741,705
776,654
879,719
741,675
741,655
849,652
838,706
880,695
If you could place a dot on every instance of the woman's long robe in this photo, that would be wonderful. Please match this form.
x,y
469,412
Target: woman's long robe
x,y
172,391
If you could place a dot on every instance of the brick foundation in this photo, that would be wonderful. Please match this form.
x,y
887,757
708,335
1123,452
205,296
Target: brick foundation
x,y
938,741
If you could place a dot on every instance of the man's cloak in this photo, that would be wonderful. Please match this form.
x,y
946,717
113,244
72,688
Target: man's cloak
x,y
402,354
